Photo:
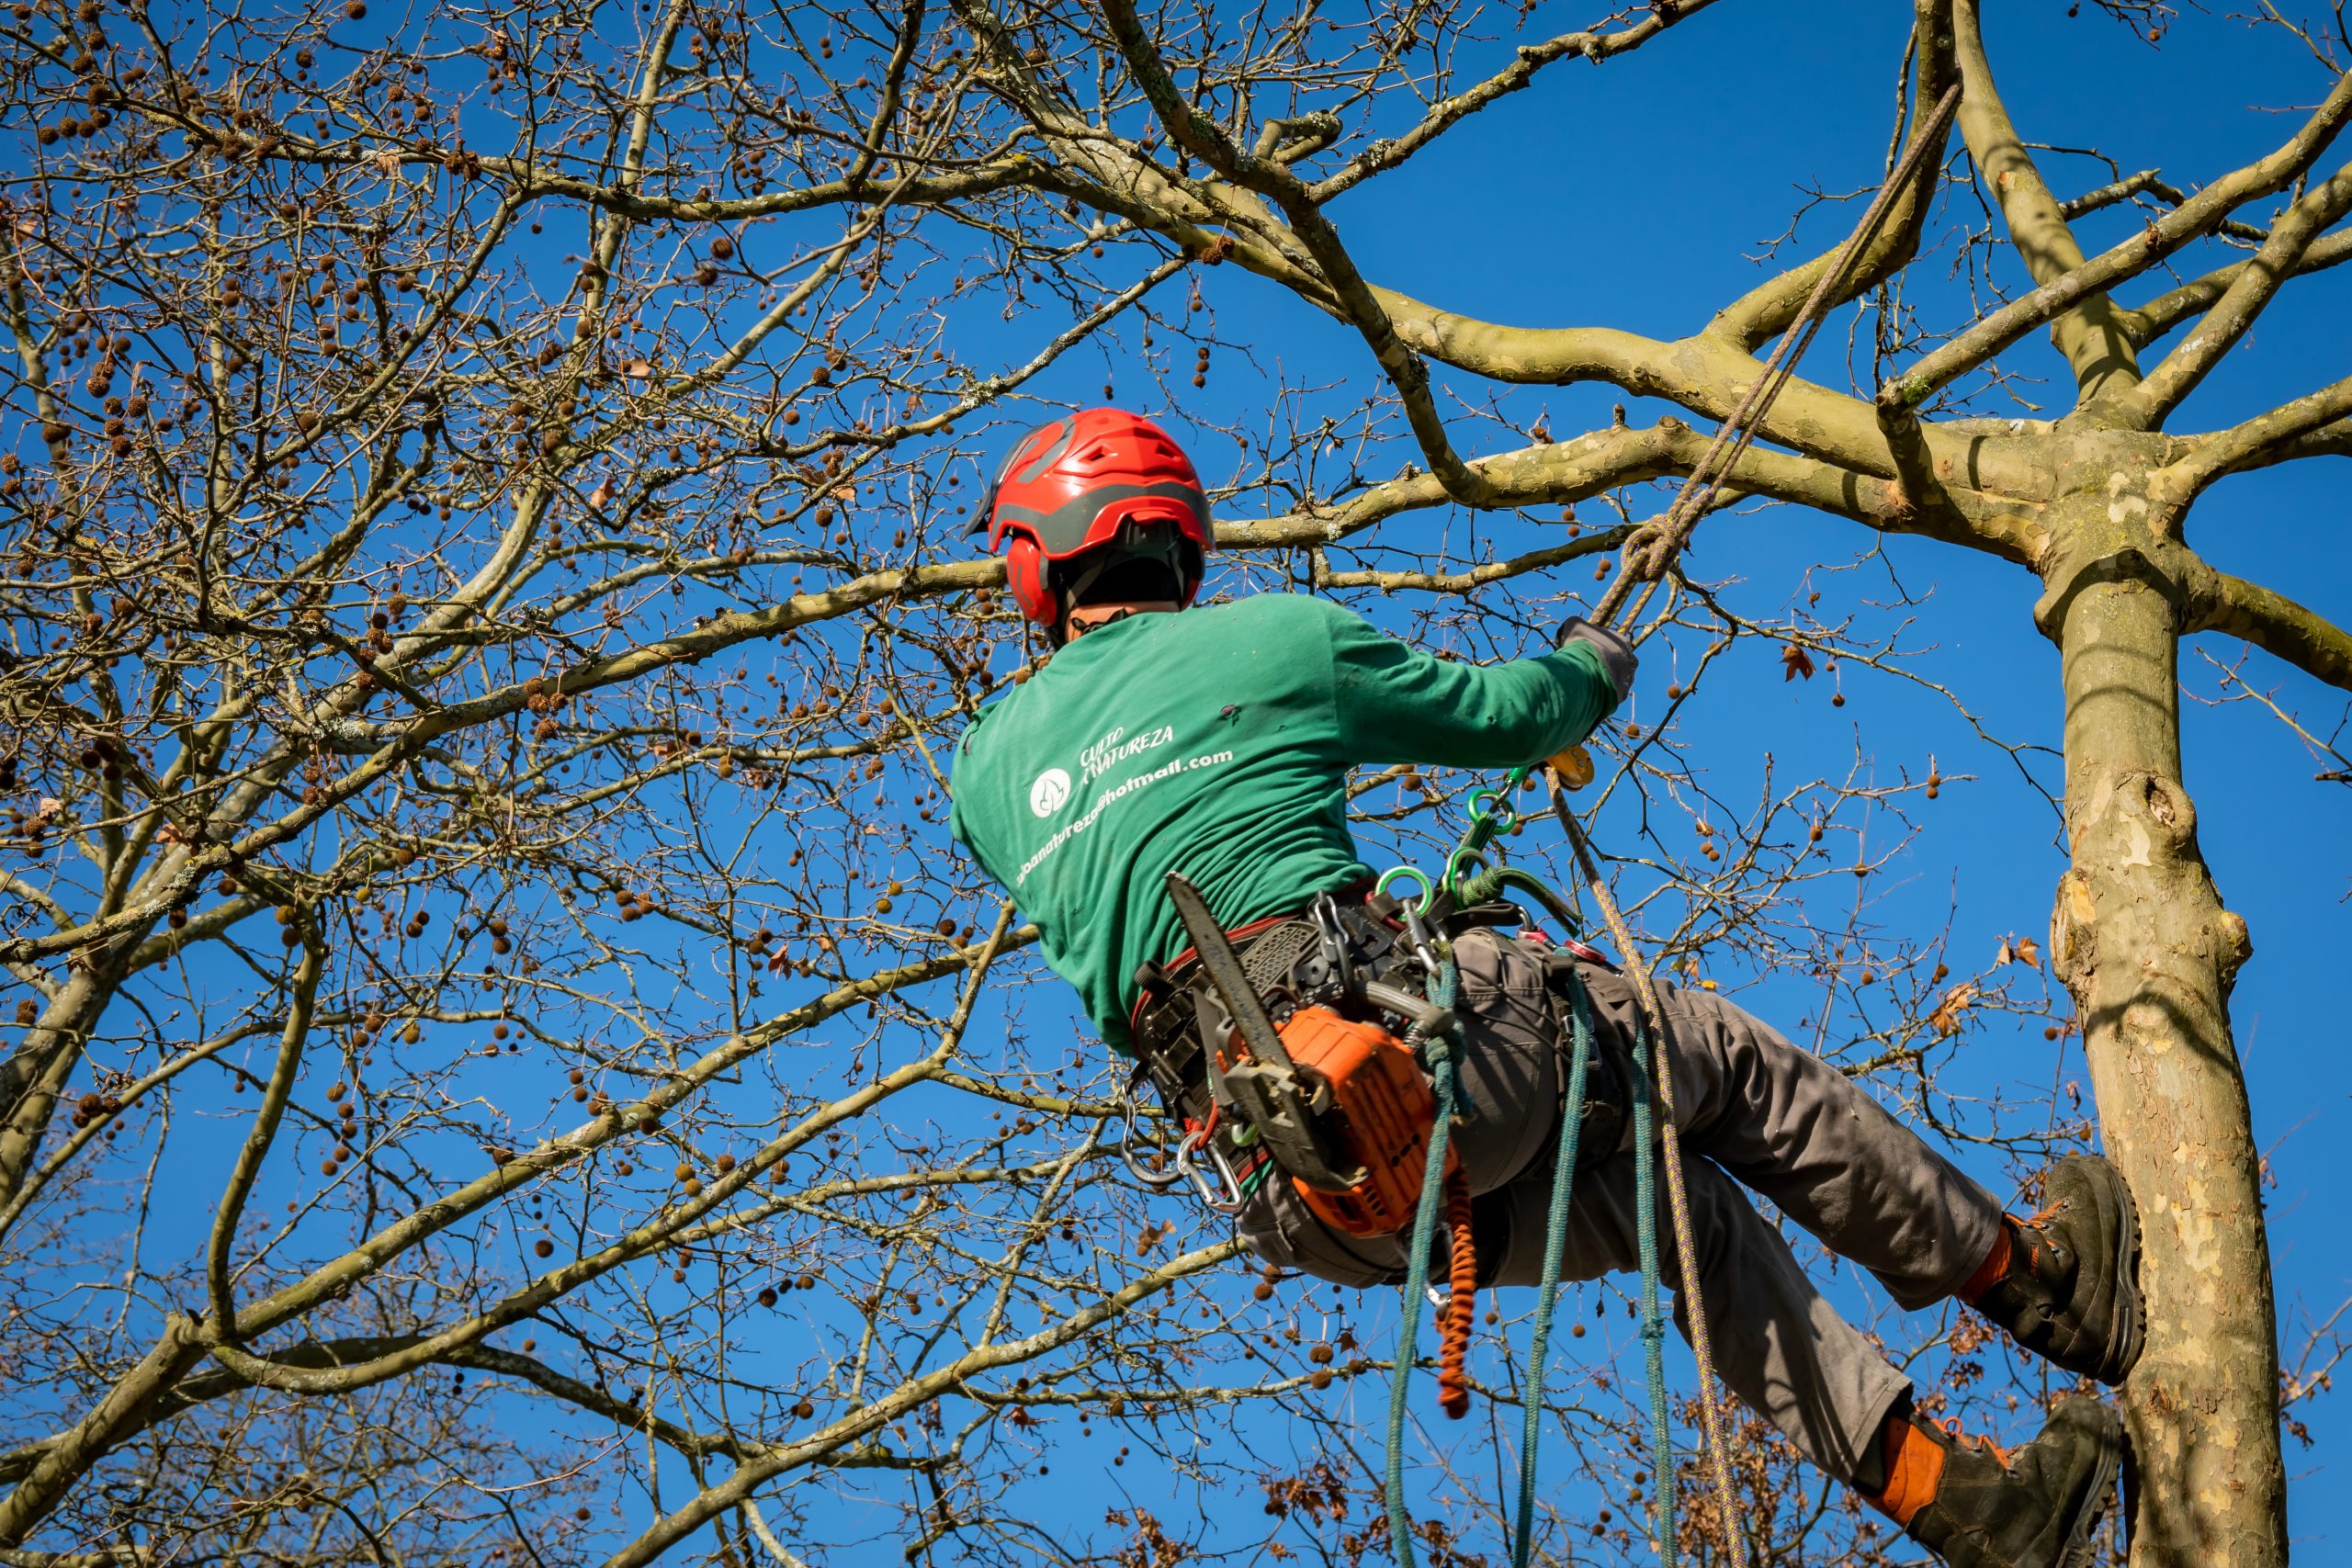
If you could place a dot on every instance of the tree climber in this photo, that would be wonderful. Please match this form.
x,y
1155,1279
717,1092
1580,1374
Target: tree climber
x,y
1217,742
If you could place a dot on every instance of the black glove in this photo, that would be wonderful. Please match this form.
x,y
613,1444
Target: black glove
x,y
1617,654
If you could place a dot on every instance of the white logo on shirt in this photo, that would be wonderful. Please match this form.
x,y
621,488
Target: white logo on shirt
x,y
1050,792
1115,748
1108,798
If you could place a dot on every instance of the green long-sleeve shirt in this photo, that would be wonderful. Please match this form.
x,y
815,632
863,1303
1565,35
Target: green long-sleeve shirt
x,y
1217,742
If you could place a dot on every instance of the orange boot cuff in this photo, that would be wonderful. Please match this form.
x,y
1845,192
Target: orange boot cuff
x,y
1915,1466
1994,1269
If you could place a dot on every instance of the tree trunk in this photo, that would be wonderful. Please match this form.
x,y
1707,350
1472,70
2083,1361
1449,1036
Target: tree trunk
x,y
2140,937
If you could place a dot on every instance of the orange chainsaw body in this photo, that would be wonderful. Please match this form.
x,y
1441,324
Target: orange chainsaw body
x,y
1382,1113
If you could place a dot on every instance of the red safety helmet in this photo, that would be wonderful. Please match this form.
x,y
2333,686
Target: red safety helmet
x,y
1104,484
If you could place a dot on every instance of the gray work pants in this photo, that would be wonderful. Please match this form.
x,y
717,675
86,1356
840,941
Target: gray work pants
x,y
1753,1110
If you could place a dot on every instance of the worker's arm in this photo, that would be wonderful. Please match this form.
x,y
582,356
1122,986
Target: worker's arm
x,y
1398,704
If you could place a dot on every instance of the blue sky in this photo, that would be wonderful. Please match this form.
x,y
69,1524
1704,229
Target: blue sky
x,y
1635,195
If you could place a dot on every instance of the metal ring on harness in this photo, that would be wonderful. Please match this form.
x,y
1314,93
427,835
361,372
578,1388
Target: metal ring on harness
x,y
1429,888
1127,1113
1194,1141
1500,820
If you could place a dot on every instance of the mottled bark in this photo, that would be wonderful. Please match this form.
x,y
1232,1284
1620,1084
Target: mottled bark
x,y
2141,938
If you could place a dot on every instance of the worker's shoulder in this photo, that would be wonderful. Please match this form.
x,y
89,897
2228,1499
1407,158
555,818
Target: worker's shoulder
x,y
1275,616
989,720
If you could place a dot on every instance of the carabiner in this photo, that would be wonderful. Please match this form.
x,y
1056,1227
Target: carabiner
x,y
1417,929
1457,864
1416,932
1334,940
1233,1200
1127,1112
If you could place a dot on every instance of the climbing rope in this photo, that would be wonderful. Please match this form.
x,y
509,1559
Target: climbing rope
x,y
1738,429
1547,1288
1438,1051
1691,503
1491,814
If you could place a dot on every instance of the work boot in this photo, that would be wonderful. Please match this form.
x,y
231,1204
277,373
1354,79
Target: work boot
x,y
2067,1288
1976,1505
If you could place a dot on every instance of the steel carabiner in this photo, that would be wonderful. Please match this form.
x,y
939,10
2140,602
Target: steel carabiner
x,y
1234,1200
1128,1111
1334,940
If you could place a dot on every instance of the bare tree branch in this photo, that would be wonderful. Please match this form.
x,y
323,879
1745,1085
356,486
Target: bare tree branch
x,y
2085,325
2273,623
2233,316
1766,311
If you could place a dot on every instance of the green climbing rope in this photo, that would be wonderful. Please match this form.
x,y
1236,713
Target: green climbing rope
x,y
1439,1052
1495,880
1547,1290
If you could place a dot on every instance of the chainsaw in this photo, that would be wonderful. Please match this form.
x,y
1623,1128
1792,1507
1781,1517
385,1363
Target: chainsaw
x,y
1339,1099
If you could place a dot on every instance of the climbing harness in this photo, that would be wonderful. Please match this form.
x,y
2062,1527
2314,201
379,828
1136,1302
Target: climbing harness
x,y
1334,1092
1468,878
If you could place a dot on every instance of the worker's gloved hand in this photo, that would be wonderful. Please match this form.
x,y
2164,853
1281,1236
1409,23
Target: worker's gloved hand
x,y
1617,654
